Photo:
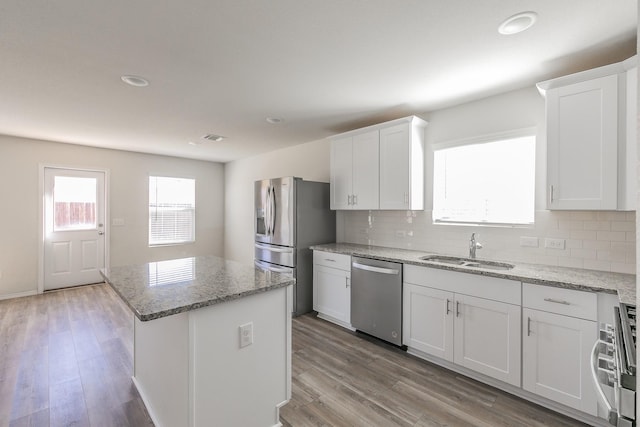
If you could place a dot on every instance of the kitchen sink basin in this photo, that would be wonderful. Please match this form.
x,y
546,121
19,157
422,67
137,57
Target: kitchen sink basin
x,y
467,262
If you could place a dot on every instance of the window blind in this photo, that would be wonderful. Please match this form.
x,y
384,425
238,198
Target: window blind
x,y
172,210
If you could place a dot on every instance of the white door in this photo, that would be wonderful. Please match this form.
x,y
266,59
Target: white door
x,y
331,292
394,167
366,167
428,320
582,142
556,358
74,217
341,167
487,337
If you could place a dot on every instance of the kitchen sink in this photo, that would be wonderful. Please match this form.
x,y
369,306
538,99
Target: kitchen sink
x,y
467,262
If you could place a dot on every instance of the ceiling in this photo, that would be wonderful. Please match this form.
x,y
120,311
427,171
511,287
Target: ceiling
x,y
323,66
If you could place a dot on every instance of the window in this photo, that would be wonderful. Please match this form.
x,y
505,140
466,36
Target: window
x,y
488,181
172,210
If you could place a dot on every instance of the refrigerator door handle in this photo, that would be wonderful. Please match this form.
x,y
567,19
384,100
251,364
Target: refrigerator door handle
x,y
273,210
274,249
267,267
267,211
265,208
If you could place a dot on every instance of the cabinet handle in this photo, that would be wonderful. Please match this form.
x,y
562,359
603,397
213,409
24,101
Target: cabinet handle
x,y
447,306
349,200
528,326
551,195
457,308
330,260
355,199
557,301
346,282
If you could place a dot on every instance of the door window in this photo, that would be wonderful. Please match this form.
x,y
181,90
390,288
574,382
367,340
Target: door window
x,y
74,203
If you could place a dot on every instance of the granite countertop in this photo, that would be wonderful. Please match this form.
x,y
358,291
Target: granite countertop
x,y
163,288
572,278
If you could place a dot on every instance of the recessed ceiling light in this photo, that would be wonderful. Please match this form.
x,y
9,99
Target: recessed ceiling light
x,y
274,120
213,137
517,23
135,81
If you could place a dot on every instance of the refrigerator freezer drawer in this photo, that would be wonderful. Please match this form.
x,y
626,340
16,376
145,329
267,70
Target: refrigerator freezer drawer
x,y
281,255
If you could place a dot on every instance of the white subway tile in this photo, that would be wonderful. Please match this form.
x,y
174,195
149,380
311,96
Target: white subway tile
x,y
571,262
614,236
584,234
617,267
623,226
596,244
570,225
597,265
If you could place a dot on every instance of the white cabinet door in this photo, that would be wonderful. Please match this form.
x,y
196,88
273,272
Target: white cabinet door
x,y
394,167
332,293
341,173
582,142
366,171
556,358
487,337
402,166
428,320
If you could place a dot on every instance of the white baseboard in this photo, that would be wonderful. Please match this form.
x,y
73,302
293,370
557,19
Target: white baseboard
x,y
145,400
19,295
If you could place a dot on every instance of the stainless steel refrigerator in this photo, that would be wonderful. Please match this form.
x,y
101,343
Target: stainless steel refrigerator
x,y
289,216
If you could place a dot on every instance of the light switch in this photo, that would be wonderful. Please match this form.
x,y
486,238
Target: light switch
x,y
246,334
117,222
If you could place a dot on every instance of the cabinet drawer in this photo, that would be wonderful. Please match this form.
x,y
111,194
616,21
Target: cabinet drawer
x,y
330,259
567,302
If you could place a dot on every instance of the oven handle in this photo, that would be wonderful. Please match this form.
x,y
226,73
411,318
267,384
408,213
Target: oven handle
x,y
612,415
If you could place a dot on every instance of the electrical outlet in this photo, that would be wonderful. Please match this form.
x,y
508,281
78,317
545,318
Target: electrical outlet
x,y
246,334
554,243
529,242
401,234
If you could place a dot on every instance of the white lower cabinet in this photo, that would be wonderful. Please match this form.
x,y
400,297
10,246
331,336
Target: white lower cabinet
x,y
428,325
332,287
487,337
556,347
443,319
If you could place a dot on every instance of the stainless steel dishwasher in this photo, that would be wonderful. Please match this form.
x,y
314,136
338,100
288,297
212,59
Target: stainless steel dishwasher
x,y
376,298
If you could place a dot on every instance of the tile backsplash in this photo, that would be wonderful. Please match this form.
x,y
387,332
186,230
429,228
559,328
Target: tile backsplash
x,y
603,241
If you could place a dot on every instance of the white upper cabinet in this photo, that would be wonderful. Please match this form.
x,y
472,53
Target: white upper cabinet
x,y
402,166
590,136
354,171
379,167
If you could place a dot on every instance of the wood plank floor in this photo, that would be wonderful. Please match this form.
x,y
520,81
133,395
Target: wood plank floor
x,y
343,379
66,360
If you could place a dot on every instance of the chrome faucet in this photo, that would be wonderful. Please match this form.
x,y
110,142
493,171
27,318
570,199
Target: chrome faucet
x,y
473,245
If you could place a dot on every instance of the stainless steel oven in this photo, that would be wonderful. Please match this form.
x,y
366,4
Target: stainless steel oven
x,y
613,363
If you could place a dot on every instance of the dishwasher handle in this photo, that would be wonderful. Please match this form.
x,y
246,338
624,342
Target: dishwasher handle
x,y
373,269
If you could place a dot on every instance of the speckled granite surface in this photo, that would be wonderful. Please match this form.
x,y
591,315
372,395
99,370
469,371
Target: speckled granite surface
x,y
160,289
573,278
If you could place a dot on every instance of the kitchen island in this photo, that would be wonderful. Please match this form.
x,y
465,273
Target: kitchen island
x,y
212,340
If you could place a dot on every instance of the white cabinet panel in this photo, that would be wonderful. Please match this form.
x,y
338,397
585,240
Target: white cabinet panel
x,y
428,320
556,358
332,287
591,122
365,171
341,179
582,141
487,337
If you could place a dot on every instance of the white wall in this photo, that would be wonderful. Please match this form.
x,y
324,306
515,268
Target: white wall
x,y
308,161
20,161
595,240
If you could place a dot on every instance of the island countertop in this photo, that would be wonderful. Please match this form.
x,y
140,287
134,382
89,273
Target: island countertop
x,y
163,288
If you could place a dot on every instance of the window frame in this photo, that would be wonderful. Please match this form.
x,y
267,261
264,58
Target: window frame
x,y
193,208
484,139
